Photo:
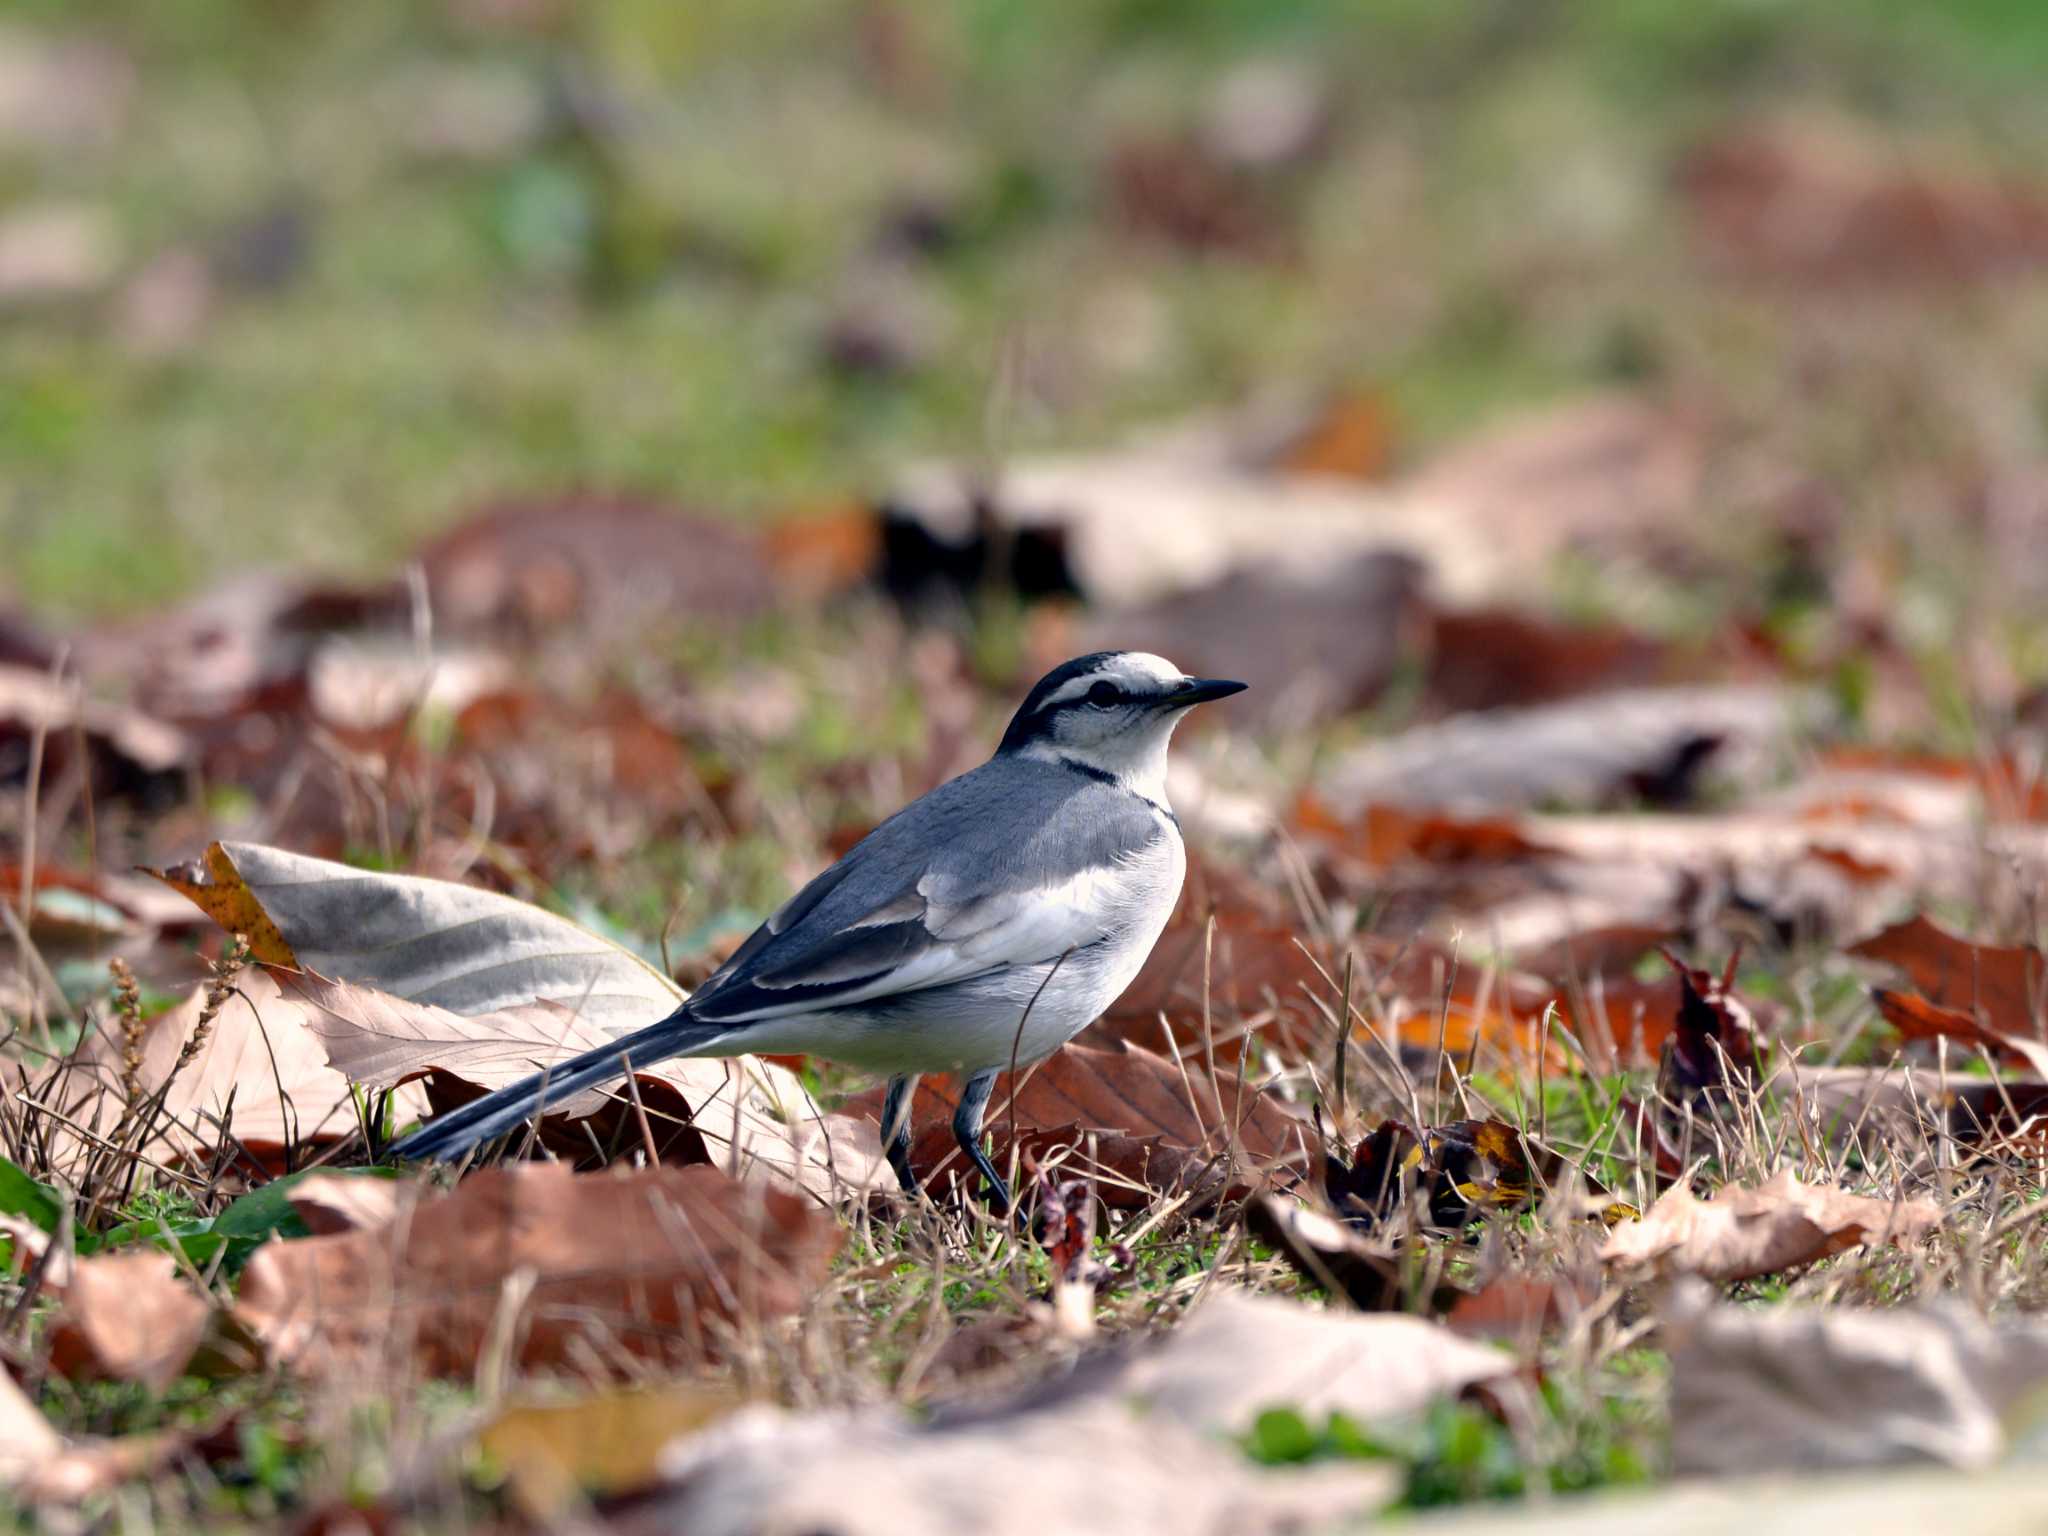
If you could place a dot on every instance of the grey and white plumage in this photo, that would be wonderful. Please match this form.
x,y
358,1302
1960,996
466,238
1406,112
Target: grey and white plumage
x,y
989,921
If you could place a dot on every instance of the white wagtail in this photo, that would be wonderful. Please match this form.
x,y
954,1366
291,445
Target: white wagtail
x,y
989,921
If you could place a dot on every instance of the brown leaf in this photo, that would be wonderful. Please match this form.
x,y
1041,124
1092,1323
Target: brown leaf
x,y
1465,1169
1381,836
128,1317
1830,202
260,1066
1517,1307
1494,658
1714,1043
1151,1126
1742,1233
658,1264
1982,992
610,565
1352,435
1365,1268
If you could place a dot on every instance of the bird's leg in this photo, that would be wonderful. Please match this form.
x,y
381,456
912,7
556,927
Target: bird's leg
x,y
967,1131
896,1128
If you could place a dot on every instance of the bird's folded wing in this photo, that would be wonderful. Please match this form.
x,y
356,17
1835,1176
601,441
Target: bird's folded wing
x,y
914,941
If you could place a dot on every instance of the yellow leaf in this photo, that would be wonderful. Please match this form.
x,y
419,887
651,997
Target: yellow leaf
x,y
554,1453
218,890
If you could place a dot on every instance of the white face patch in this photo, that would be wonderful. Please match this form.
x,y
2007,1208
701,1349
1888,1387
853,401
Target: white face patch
x,y
1126,738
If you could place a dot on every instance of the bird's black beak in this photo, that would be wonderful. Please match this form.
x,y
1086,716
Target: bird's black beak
x,y
1200,690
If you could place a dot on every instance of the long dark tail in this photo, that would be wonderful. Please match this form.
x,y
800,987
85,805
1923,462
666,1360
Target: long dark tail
x,y
454,1133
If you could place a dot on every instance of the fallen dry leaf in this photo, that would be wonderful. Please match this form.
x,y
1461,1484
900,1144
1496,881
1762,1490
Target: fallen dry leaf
x,y
1135,1121
1647,743
1497,658
559,1270
1714,1045
1380,836
453,946
1831,201
1462,1170
1982,993
1801,1388
554,1452
128,1317
1151,1411
480,990
610,566
1781,1224
331,1202
1365,1267
39,1466
259,1068
742,1113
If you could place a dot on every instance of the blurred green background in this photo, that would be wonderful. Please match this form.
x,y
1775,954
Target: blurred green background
x,y
297,281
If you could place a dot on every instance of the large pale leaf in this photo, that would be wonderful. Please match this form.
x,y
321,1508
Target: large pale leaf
x,y
402,976
453,946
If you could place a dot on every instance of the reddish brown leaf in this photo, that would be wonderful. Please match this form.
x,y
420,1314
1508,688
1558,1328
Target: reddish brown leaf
x,y
1385,835
607,563
1494,658
1150,1126
1714,1043
1517,1307
1998,990
1829,203
657,1264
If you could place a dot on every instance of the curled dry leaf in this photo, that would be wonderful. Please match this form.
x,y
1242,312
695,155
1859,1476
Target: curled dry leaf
x,y
1742,1233
1648,743
560,1270
1714,1045
128,1317
1463,1169
1362,1266
1134,1121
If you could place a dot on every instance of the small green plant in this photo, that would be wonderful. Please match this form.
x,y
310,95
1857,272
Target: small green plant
x,y
1457,1453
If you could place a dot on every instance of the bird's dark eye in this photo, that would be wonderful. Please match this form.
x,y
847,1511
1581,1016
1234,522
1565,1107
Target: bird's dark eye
x,y
1102,695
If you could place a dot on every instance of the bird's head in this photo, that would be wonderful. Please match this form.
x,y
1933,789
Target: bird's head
x,y
1111,712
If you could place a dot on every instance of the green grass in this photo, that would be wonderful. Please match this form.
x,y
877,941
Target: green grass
x,y
644,310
